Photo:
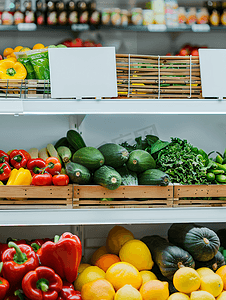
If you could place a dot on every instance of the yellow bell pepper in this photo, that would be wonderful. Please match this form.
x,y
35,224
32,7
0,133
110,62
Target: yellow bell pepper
x,y
12,70
20,177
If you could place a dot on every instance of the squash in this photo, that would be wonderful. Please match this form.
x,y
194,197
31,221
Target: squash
x,y
169,258
213,264
201,242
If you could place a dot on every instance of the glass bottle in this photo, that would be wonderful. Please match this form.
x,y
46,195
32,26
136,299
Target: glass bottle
x,y
61,13
72,13
18,15
94,14
215,16
40,12
223,15
83,14
51,13
29,14
8,14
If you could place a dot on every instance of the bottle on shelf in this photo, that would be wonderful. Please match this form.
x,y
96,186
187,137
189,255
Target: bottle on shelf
x,y
223,14
215,16
83,14
18,15
94,14
40,12
51,13
72,13
8,14
61,13
29,14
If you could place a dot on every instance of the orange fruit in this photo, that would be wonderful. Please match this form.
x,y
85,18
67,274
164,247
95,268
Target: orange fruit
x,y
24,49
123,273
221,271
186,280
137,254
116,238
89,274
222,296
155,289
38,46
97,254
99,289
7,52
18,48
106,260
127,292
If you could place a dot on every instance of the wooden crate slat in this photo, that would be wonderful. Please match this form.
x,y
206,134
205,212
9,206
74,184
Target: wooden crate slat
x,y
199,191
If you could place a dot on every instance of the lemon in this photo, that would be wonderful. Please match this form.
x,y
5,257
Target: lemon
x,y
137,254
212,283
155,290
88,275
201,295
186,280
24,49
122,273
147,276
116,238
99,289
82,267
178,296
222,296
204,271
127,292
18,48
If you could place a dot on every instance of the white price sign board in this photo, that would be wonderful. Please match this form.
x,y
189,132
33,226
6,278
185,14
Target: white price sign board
x,y
200,27
157,27
213,72
83,72
27,27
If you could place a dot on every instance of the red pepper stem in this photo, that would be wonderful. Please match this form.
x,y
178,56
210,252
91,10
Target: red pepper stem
x,y
42,284
17,158
2,158
35,247
19,294
2,168
56,238
19,257
1,265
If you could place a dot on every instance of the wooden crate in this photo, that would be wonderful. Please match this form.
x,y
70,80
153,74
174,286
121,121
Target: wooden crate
x,y
29,197
88,196
199,195
155,77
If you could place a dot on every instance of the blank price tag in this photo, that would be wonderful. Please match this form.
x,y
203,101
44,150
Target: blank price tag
x,y
213,72
200,27
157,27
83,72
14,106
27,27
79,27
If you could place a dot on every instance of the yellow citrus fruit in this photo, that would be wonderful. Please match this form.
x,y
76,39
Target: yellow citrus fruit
x,y
24,49
155,290
222,296
186,280
97,254
178,296
123,273
38,46
7,52
137,254
99,289
212,283
18,48
106,260
127,292
204,271
221,271
201,295
82,267
147,276
88,275
116,238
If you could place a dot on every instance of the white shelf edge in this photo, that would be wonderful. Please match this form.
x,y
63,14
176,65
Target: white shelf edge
x,y
112,216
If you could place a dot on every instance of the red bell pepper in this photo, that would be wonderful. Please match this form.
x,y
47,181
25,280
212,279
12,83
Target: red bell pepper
x,y
37,243
4,285
42,284
35,165
53,165
19,158
61,179
63,256
4,156
68,292
5,171
3,247
17,261
42,179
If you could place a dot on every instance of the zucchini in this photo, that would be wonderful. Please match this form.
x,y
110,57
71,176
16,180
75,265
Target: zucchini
x,y
114,155
153,177
65,153
128,177
140,161
107,177
62,142
75,139
89,157
78,173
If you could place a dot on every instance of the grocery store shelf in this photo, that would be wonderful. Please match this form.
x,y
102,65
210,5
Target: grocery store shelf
x,y
112,106
111,216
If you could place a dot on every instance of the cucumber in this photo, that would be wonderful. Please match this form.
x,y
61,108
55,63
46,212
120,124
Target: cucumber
x,y
221,178
114,155
153,177
107,177
78,173
62,142
128,177
89,157
65,153
75,139
140,161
